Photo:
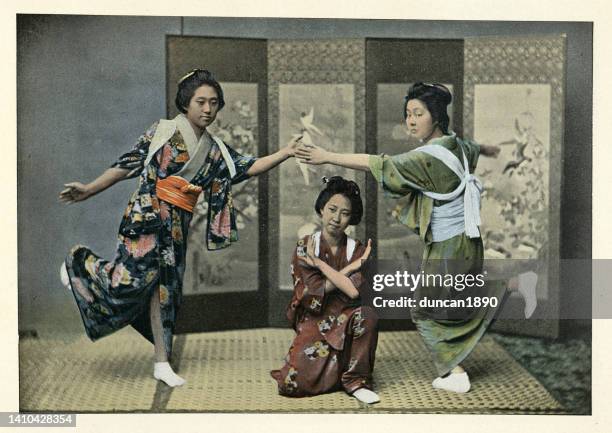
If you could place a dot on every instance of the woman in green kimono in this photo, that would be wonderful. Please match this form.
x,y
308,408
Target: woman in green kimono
x,y
443,208
175,160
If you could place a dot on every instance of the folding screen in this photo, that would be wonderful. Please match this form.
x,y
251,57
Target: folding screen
x,y
514,98
325,79
506,91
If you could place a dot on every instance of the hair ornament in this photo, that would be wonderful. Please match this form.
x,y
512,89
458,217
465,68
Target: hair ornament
x,y
189,74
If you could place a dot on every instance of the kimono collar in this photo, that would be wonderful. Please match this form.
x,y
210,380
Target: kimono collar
x,y
445,140
186,130
166,129
350,245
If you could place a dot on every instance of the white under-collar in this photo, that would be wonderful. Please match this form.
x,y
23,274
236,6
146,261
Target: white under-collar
x,y
193,144
350,245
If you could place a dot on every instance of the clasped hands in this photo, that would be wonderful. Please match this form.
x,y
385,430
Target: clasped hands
x,y
306,153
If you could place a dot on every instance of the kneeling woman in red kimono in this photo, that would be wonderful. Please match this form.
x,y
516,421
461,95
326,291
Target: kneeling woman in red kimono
x,y
336,337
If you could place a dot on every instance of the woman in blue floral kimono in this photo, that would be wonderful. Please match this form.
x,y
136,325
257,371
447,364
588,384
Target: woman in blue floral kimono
x,y
175,160
443,208
336,337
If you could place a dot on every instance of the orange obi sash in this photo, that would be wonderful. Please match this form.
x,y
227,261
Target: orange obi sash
x,y
177,191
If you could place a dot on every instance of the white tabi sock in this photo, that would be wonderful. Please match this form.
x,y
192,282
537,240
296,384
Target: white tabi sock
x,y
527,288
162,371
366,396
455,382
64,276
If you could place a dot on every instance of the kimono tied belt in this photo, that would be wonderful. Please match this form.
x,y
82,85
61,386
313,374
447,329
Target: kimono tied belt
x,y
178,191
465,198
448,220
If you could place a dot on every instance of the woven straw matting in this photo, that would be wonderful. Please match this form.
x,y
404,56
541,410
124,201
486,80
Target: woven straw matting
x,y
229,372
112,374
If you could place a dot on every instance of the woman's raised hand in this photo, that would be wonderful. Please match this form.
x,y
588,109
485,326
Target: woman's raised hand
x,y
311,154
310,258
357,264
74,192
293,145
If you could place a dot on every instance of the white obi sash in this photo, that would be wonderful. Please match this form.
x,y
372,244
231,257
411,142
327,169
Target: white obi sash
x,y
350,245
166,129
462,214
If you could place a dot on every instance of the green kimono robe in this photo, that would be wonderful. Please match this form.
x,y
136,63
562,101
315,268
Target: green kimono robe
x,y
449,335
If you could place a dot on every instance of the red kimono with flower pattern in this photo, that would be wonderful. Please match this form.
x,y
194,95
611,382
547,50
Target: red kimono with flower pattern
x,y
336,337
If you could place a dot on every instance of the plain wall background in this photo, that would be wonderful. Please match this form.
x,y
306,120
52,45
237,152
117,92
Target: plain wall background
x,y
88,86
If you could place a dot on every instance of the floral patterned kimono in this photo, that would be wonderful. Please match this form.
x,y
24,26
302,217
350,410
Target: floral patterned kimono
x,y
336,337
152,242
450,335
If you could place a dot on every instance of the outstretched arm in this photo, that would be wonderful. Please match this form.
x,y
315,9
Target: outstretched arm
x,y
310,154
270,161
76,191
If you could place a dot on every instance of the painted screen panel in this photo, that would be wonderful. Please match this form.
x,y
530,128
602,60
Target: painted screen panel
x,y
332,107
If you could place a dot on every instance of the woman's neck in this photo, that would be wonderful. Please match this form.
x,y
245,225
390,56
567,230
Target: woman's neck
x,y
332,239
197,130
436,133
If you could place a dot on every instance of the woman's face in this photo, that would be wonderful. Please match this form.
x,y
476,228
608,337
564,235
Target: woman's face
x,y
203,107
418,120
336,215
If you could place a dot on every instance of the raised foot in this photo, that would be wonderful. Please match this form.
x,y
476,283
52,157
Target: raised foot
x,y
64,276
527,283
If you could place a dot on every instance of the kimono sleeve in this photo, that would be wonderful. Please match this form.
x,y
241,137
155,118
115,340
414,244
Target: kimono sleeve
x,y
472,152
357,278
135,158
308,284
402,174
242,164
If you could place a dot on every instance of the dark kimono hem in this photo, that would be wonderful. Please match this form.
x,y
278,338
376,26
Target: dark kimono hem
x,y
80,301
76,300
356,384
282,389
349,388
77,296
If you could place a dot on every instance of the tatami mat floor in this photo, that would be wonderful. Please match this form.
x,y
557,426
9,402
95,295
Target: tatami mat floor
x,y
229,372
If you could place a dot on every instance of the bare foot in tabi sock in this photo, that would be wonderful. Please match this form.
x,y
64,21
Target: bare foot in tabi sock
x,y
457,381
162,371
366,396
527,288
64,276
525,284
